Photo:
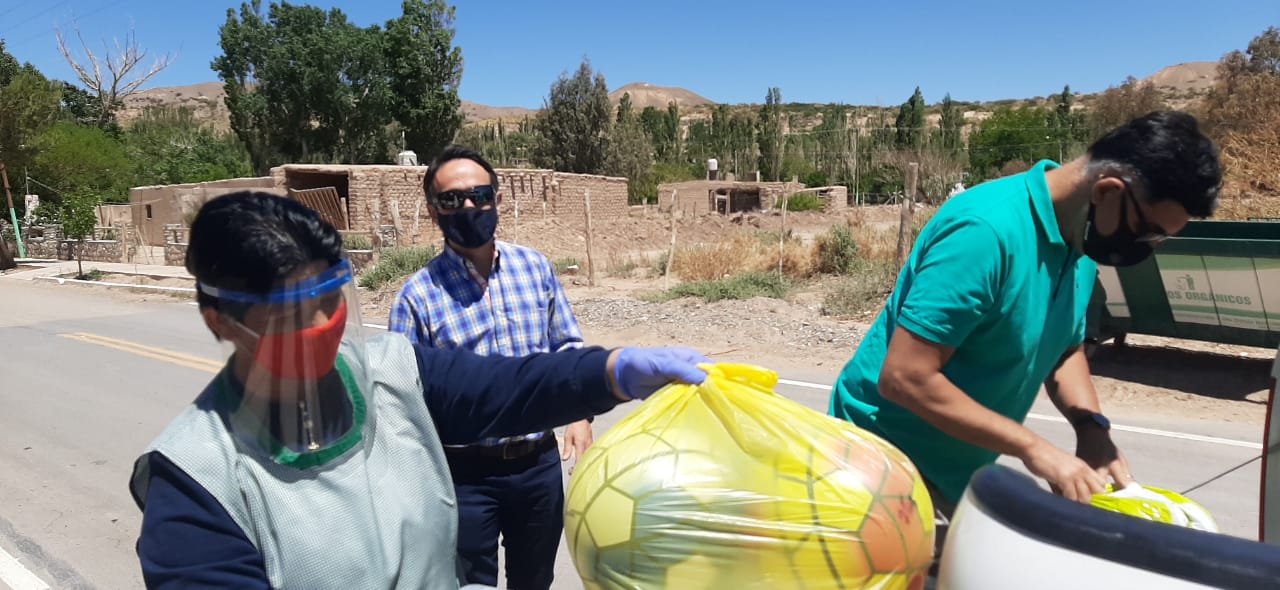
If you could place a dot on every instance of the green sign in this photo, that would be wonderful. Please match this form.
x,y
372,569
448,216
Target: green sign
x,y
1221,291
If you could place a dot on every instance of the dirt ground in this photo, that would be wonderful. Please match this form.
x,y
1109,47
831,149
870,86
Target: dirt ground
x,y
1207,381
1176,378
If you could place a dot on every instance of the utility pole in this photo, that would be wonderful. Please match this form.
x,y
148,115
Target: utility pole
x,y
13,213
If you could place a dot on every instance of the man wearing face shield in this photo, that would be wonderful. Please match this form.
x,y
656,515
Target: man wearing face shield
x,y
315,459
992,304
494,297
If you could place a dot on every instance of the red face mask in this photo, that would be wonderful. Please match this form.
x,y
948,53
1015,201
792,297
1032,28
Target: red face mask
x,y
306,354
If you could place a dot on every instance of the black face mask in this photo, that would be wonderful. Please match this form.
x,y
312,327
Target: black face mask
x,y
469,227
1123,247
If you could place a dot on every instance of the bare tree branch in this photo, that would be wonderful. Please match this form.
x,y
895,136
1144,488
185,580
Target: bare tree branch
x,y
122,78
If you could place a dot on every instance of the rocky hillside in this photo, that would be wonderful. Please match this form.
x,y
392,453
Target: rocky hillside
x,y
644,95
1182,83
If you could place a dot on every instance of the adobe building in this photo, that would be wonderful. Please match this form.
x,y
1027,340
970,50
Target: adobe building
x,y
702,197
386,201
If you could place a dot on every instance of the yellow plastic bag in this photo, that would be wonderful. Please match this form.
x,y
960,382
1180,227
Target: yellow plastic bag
x,y
726,485
1152,503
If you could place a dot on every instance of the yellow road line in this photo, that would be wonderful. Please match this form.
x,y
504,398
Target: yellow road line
x,y
151,352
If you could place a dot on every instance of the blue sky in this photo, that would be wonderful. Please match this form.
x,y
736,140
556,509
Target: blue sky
x,y
856,52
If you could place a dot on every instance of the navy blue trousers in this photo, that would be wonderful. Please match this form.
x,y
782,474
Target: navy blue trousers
x,y
523,499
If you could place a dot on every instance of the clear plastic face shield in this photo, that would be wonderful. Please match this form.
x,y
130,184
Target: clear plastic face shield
x,y
296,384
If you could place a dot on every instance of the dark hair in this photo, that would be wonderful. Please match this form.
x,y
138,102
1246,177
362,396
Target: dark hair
x,y
250,241
1168,153
455,152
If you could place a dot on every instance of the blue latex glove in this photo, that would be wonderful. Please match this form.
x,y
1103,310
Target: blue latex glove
x,y
642,371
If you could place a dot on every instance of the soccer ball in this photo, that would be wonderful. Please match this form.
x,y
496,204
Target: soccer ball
x,y
730,487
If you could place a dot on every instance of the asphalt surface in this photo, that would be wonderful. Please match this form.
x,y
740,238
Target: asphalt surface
x,y
88,380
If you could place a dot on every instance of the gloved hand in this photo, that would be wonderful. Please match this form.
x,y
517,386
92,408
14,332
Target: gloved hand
x,y
640,372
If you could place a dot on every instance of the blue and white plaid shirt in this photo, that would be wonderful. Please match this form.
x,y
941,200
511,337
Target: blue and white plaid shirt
x,y
521,309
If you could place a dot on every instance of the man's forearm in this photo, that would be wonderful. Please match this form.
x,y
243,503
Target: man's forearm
x,y
937,400
1070,386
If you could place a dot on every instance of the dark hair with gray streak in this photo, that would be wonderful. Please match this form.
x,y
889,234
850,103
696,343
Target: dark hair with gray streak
x,y
1166,153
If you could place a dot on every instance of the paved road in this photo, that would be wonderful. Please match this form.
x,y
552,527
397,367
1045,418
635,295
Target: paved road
x,y
89,379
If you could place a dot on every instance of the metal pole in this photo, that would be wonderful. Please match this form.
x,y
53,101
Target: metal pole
x,y
13,213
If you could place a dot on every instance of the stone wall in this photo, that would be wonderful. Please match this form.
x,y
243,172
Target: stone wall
x,y
41,241
175,254
175,244
92,250
45,248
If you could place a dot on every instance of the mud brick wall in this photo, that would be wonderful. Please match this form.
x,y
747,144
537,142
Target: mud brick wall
x,y
389,197
694,198
835,198
392,198
154,207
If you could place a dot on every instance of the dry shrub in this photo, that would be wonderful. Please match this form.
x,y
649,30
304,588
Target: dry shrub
x,y
742,254
1251,184
706,262
877,243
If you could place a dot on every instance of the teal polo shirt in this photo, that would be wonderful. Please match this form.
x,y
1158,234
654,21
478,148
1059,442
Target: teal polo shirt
x,y
991,276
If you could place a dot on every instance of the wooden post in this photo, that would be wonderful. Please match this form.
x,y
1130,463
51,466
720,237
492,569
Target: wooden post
x,y
13,214
515,221
782,234
671,253
904,222
417,216
395,221
591,267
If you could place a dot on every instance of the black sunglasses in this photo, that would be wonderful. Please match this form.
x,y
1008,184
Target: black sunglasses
x,y
457,199
1147,234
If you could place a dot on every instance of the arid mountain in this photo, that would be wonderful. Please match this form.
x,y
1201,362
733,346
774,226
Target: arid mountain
x,y
1191,77
1181,83
204,100
477,112
644,95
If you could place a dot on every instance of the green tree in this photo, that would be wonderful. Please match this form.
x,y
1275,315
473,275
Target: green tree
x,y
1246,95
630,154
78,220
73,159
910,122
1264,52
168,146
1011,134
952,122
1070,128
573,126
769,135
426,69
79,106
28,106
306,85
9,66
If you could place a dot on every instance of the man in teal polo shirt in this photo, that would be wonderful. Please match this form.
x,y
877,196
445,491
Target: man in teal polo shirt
x,y
991,305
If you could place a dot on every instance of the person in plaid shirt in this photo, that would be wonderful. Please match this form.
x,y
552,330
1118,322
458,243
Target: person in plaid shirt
x,y
494,298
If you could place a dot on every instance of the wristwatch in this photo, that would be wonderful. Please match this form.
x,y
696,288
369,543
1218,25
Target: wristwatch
x,y
1093,418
